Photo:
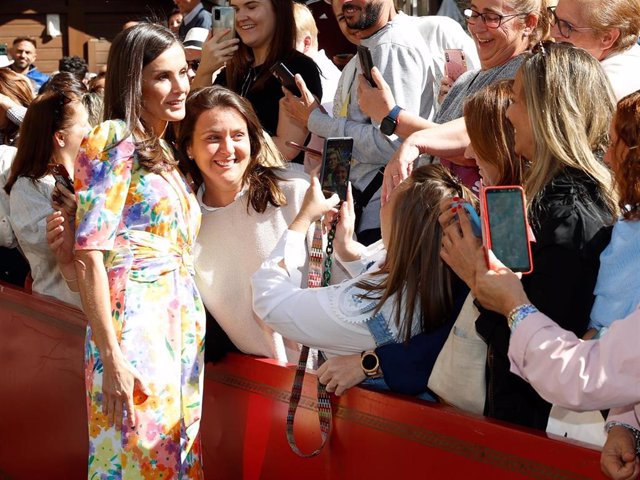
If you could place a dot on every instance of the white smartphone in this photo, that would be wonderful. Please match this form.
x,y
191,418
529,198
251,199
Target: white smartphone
x,y
223,18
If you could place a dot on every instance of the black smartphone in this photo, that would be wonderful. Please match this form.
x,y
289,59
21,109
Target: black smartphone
x,y
336,166
286,78
507,229
61,175
3,49
366,64
222,18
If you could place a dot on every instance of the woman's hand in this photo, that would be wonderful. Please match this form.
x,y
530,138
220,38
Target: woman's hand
x,y
445,86
119,382
398,168
63,199
215,54
375,102
314,206
341,372
60,237
618,459
299,108
496,287
344,244
459,245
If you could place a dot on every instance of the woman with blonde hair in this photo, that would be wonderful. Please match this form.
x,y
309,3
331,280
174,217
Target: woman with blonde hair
x,y
560,110
502,30
608,30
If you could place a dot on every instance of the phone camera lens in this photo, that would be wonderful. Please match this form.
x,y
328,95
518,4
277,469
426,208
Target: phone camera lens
x,y
217,14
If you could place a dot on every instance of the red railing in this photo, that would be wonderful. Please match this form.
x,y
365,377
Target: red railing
x,y
43,433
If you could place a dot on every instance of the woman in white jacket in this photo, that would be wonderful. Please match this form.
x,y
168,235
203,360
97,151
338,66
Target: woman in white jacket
x,y
400,286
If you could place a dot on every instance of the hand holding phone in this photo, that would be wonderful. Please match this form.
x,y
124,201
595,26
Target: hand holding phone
x,y
366,64
336,166
506,230
473,217
61,175
455,63
223,18
286,78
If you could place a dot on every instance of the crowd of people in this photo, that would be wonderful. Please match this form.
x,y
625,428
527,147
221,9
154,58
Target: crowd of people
x,y
165,197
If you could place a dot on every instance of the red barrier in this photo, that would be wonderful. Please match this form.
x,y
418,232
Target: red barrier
x,y
377,436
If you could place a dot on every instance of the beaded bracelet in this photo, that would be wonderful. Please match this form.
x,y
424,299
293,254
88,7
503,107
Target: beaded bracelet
x,y
634,431
519,313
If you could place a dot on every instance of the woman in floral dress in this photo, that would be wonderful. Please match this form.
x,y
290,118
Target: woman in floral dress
x,y
135,226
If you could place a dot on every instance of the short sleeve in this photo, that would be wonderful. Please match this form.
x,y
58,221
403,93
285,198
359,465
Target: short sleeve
x,y
102,179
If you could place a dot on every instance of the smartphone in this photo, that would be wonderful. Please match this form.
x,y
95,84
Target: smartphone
x,y
455,63
223,18
61,175
366,64
473,217
506,232
336,166
285,77
303,148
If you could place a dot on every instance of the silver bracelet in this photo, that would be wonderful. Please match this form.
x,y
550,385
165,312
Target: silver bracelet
x,y
519,313
634,431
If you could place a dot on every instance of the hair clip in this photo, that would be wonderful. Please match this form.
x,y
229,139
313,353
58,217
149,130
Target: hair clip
x,y
633,148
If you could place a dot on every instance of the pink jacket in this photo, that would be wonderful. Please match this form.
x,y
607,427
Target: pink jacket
x,y
578,374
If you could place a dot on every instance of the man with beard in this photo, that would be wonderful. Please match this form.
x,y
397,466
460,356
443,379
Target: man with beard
x,y
402,57
23,53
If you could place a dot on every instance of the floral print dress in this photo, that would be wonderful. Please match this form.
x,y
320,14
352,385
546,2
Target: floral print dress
x,y
145,224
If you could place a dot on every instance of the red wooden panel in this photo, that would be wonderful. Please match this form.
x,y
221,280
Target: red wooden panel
x,y
43,419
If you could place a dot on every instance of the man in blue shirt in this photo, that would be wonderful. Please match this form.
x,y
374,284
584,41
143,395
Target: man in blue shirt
x,y
193,15
23,53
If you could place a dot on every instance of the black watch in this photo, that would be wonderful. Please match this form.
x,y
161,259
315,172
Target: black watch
x,y
370,363
390,122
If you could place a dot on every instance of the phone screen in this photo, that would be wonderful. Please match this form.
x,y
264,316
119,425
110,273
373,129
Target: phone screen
x,y
336,166
508,227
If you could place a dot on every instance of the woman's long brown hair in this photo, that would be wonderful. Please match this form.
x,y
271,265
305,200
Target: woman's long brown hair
x,y
413,270
627,167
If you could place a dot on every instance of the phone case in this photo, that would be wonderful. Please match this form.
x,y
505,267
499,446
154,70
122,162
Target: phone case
x,y
455,63
366,64
61,175
303,148
473,217
285,77
224,17
485,220
336,166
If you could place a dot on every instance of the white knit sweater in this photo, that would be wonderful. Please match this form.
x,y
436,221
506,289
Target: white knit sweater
x,y
231,246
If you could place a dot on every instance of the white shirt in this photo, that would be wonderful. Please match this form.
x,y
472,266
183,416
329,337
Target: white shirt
x,y
30,204
7,238
332,319
329,76
623,71
231,245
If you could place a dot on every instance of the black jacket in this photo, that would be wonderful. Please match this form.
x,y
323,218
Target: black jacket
x,y
572,226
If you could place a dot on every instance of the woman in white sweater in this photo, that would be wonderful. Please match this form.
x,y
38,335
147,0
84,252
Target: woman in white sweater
x,y
247,203
52,130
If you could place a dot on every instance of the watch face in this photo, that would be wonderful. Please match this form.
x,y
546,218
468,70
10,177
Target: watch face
x,y
369,361
387,126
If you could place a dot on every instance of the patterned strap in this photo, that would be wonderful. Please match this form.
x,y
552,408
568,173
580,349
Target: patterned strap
x,y
315,280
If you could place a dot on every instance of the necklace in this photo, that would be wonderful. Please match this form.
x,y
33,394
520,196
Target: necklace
x,y
250,77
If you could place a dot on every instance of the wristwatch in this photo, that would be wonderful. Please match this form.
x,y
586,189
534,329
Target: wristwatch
x,y
390,122
370,363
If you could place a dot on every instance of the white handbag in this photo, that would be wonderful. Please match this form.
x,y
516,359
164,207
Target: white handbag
x,y
458,376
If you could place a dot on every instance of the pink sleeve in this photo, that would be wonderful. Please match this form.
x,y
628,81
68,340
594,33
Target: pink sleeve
x,y
577,374
628,415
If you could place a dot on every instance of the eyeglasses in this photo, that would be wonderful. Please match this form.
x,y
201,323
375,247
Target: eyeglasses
x,y
193,65
564,27
491,20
